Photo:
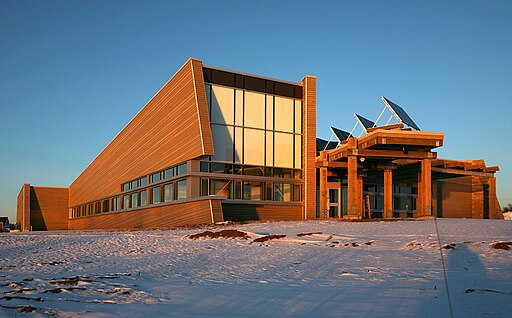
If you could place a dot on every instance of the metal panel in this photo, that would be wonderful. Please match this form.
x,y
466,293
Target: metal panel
x,y
400,113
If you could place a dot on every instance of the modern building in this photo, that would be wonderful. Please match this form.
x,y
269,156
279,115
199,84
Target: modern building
x,y
215,145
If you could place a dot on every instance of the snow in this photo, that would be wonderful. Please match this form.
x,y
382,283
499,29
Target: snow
x,y
354,269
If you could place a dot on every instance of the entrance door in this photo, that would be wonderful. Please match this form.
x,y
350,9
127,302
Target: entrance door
x,y
334,202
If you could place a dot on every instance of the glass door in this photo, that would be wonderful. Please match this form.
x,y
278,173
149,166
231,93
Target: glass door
x,y
334,202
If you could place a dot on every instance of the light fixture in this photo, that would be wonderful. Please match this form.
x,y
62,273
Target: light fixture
x,y
361,159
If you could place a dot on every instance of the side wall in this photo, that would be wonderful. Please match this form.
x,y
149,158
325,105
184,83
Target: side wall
x,y
23,208
173,127
269,212
205,211
452,198
49,208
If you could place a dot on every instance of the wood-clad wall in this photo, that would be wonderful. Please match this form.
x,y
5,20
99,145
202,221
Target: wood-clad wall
x,y
269,212
178,214
49,208
309,146
452,198
172,128
23,208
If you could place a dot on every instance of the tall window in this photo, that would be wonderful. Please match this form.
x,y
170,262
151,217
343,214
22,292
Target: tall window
x,y
254,128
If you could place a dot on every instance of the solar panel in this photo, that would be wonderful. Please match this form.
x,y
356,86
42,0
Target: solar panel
x,y
340,134
400,113
366,123
322,144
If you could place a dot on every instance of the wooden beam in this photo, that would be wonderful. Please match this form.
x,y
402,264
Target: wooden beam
x,y
463,172
388,127
492,169
353,187
392,154
388,194
454,164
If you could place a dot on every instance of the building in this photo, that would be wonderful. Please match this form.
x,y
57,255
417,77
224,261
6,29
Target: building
x,y
214,145
5,226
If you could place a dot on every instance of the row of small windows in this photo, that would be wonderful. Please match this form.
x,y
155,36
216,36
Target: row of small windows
x,y
251,190
251,83
155,177
167,192
261,171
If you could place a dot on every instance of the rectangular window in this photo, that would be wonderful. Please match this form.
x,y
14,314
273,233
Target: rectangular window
x,y
169,192
181,187
298,117
169,173
216,167
221,188
115,204
297,193
237,195
204,187
254,147
269,145
126,186
144,197
239,141
135,200
182,169
156,177
156,195
134,184
239,108
298,152
283,118
106,206
222,105
283,150
254,110
223,139
143,181
254,171
282,192
204,166
270,112
253,190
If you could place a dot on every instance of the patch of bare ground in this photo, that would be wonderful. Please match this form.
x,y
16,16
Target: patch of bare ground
x,y
220,234
60,290
451,246
308,234
71,281
267,238
501,245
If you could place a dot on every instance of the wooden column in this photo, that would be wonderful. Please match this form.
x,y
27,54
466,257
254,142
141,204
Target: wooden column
x,y
426,184
388,194
354,195
420,207
324,199
492,197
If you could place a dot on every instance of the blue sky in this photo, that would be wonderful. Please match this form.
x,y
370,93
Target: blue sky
x,y
73,73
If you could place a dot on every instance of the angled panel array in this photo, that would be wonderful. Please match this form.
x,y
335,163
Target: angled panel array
x,y
400,113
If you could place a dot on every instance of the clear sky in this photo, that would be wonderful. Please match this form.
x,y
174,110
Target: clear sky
x,y
73,73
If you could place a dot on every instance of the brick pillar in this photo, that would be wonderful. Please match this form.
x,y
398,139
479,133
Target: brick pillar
x,y
309,145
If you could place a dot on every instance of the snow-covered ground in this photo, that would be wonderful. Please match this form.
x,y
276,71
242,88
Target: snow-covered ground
x,y
359,269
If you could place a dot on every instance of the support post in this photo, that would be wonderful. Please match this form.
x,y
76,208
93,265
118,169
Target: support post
x,y
492,197
426,184
324,203
354,185
388,194
420,207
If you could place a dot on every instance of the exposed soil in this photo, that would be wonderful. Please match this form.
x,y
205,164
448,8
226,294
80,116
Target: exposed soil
x,y
268,238
308,234
220,234
501,245
451,246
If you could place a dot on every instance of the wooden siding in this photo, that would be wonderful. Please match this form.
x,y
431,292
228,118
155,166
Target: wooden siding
x,y
309,146
178,214
269,212
452,198
49,208
172,128
23,208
